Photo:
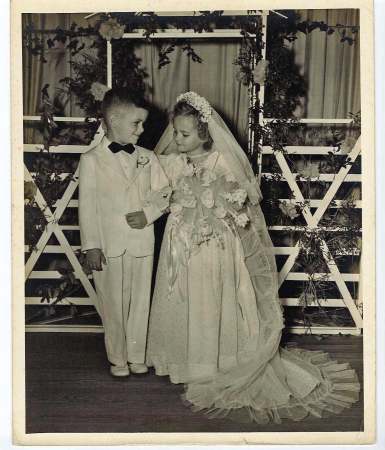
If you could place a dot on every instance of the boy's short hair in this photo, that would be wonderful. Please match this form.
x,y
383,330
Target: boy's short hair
x,y
121,97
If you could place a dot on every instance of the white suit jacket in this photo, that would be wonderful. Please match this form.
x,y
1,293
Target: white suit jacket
x,y
109,190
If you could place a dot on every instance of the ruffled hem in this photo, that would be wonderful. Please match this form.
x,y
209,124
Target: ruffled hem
x,y
183,372
337,388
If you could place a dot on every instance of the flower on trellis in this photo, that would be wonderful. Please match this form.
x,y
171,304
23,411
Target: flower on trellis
x,y
289,209
280,103
111,29
30,190
310,171
98,90
307,298
260,71
347,145
243,77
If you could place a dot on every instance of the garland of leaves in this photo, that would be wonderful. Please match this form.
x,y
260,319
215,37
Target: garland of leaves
x,y
284,88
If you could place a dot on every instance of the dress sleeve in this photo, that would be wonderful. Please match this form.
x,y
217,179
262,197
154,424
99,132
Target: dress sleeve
x,y
167,163
158,198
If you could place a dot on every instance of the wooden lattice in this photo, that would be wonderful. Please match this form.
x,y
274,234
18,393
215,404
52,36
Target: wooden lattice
x,y
286,272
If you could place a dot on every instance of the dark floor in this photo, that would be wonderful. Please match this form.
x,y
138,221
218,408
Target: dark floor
x,y
69,389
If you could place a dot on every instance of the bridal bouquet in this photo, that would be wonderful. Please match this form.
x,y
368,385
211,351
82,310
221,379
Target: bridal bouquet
x,y
205,204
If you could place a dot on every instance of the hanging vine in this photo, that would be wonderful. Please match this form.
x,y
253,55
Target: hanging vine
x,y
284,91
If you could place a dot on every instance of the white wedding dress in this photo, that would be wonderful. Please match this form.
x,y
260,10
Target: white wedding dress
x,y
216,319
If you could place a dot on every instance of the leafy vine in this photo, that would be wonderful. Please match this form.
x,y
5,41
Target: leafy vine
x,y
284,89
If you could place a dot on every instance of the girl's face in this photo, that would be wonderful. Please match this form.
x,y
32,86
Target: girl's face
x,y
186,135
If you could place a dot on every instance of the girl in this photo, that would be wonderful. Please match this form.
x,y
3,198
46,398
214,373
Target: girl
x,y
216,318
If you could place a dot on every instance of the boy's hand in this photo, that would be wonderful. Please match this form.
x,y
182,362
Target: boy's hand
x,y
136,219
95,259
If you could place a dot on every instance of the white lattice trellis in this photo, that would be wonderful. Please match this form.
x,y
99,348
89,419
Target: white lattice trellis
x,y
286,273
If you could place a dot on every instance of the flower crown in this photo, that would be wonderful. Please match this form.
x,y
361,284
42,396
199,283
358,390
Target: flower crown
x,y
197,102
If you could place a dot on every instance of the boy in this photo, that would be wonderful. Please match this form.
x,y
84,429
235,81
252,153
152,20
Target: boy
x,y
122,191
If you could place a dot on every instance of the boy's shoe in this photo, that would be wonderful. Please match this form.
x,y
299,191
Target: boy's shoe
x,y
138,368
120,371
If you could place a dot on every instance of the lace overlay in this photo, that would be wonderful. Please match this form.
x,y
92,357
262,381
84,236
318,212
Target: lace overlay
x,y
216,319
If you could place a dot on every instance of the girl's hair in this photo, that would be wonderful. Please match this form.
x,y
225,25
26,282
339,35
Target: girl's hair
x,y
184,109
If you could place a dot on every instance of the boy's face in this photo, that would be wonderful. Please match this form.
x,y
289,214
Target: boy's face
x,y
125,124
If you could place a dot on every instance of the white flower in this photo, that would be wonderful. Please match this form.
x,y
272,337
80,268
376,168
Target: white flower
x,y
143,160
205,228
197,170
111,29
189,202
241,220
207,198
176,213
197,102
208,177
238,196
184,187
230,178
289,209
176,209
228,197
98,90
259,72
220,212
188,170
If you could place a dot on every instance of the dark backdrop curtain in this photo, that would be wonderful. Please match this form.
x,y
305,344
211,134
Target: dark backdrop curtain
x,y
331,69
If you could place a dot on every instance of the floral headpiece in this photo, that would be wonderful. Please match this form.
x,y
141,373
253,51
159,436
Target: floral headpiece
x,y
197,102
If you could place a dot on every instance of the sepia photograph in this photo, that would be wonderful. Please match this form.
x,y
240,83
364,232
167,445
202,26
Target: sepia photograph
x,y
196,225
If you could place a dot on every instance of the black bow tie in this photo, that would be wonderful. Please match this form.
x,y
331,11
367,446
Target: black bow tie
x,y
115,147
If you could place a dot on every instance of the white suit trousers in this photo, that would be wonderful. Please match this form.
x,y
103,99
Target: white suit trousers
x,y
123,290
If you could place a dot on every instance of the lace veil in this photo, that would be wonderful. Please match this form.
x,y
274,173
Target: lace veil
x,y
268,383
227,145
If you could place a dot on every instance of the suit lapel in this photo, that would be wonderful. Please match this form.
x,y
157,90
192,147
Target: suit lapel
x,y
109,160
129,164
136,171
112,162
